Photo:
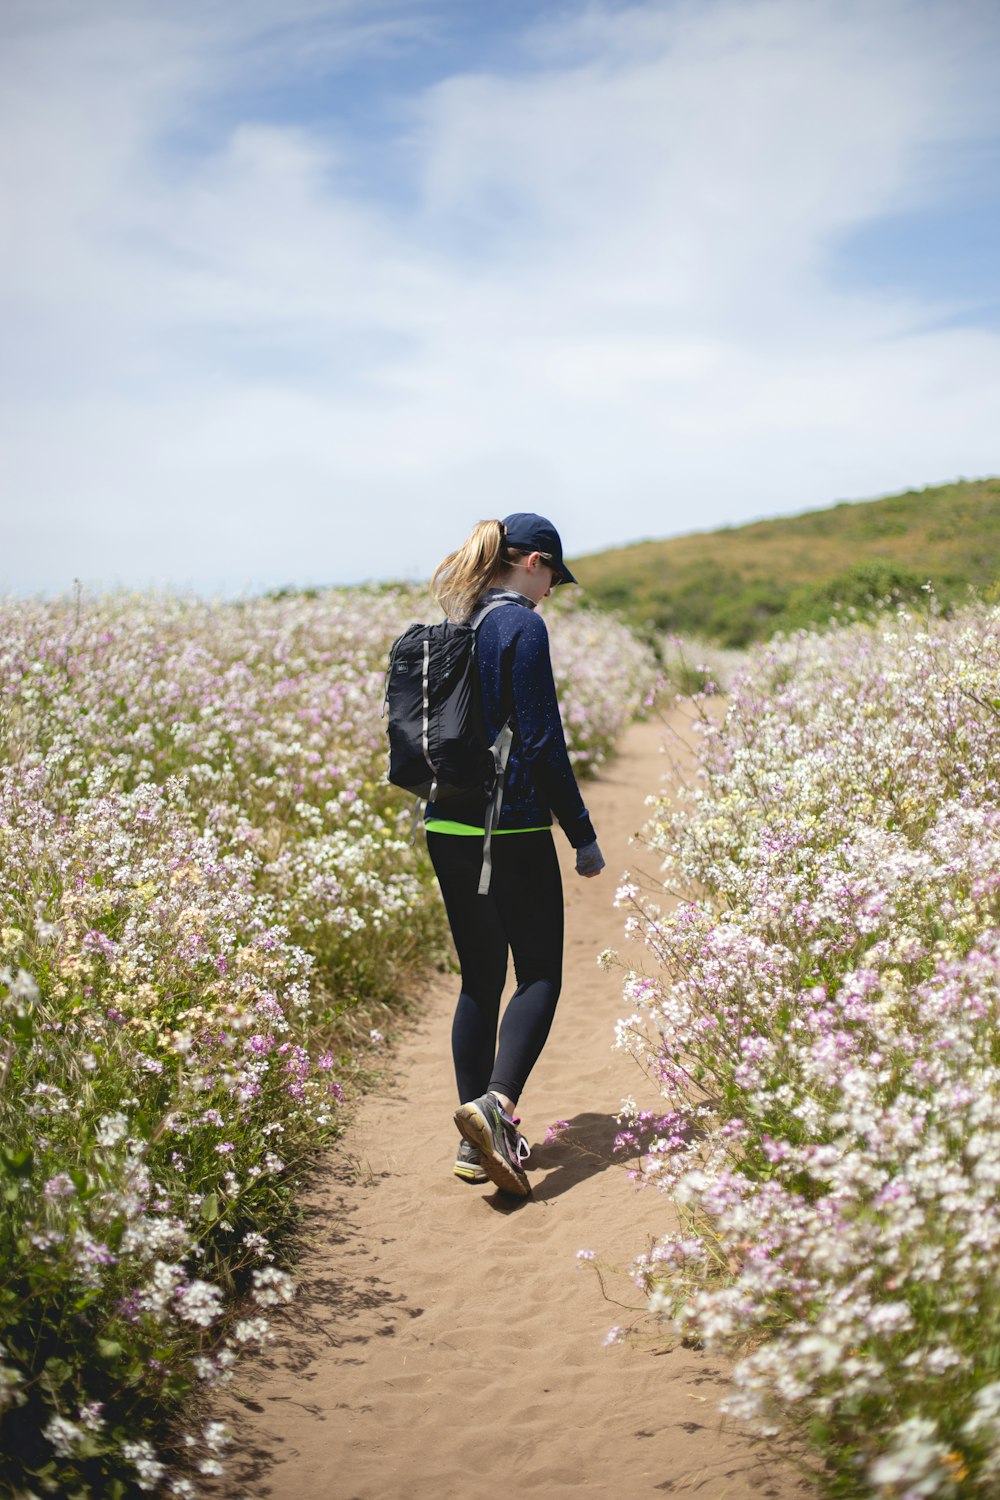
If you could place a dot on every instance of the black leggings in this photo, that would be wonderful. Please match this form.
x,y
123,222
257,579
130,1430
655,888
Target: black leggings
x,y
523,914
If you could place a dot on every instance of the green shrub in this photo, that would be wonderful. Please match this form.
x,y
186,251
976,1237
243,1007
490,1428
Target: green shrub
x,y
864,589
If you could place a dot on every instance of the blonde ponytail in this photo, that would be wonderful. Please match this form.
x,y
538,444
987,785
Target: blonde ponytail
x,y
466,574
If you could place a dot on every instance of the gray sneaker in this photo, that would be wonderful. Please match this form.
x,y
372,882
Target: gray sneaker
x,y
494,1135
468,1164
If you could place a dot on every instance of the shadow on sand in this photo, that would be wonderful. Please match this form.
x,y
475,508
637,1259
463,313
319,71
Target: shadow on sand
x,y
583,1148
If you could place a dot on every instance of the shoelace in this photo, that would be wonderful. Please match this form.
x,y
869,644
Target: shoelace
x,y
521,1147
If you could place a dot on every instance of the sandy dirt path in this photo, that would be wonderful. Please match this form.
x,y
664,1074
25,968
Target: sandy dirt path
x,y
445,1340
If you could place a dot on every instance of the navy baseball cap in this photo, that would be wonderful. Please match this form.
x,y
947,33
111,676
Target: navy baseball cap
x,y
530,533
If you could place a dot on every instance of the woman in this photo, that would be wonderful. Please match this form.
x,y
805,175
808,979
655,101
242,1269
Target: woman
x,y
519,561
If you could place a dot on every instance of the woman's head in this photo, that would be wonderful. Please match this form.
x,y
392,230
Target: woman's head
x,y
523,551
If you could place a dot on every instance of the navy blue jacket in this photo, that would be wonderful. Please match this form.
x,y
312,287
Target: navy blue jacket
x,y
516,674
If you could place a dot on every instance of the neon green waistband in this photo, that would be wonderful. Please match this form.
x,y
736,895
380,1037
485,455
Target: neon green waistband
x,y
445,825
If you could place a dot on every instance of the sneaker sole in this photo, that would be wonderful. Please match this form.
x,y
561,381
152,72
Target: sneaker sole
x,y
476,1131
470,1174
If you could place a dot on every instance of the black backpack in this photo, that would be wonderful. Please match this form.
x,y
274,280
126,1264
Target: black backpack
x,y
437,740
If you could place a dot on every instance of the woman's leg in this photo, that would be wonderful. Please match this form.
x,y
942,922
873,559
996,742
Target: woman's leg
x,y
527,889
481,943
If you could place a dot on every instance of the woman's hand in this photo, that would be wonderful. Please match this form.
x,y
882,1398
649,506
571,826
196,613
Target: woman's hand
x,y
589,860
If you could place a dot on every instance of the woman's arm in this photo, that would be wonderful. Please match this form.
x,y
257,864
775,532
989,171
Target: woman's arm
x,y
540,731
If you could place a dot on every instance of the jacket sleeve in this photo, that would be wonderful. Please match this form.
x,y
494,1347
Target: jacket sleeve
x,y
540,731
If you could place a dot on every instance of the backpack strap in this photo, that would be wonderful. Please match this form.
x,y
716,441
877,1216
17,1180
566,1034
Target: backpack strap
x,y
501,753
418,808
479,615
500,750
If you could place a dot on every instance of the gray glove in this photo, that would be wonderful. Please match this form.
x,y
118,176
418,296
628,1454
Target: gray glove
x,y
589,859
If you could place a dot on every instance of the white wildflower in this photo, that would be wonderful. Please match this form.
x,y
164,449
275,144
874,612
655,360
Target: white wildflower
x,y
199,1302
272,1287
142,1456
912,1464
111,1129
63,1435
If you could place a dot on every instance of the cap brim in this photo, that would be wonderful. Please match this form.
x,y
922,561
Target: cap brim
x,y
565,576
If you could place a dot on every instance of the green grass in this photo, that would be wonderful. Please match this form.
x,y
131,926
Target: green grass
x,y
740,584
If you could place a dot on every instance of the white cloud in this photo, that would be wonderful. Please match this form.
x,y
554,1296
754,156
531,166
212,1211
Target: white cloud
x,y
603,289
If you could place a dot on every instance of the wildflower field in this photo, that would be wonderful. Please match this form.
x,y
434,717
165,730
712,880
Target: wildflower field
x,y
821,1013
207,895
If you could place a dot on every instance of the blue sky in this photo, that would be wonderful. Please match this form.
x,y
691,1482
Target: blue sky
x,y
295,293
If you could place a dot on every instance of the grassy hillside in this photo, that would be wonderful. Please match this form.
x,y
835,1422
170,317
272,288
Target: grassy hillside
x,y
743,583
